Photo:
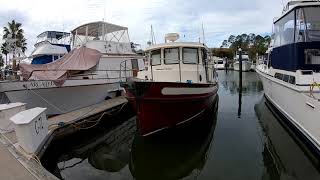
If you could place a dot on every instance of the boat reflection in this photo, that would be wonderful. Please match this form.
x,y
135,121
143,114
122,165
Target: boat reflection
x,y
98,157
283,156
230,82
174,154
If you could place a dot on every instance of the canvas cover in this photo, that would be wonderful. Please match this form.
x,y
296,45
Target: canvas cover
x,y
79,59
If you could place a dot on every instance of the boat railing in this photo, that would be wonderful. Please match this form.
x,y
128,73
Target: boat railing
x,y
112,74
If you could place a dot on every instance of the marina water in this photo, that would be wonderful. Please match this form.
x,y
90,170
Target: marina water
x,y
235,142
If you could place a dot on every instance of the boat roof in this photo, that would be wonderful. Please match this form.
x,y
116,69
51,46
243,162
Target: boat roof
x,y
94,27
53,34
293,4
176,44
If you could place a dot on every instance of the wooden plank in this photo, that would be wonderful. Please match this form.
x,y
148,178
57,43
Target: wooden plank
x,y
88,111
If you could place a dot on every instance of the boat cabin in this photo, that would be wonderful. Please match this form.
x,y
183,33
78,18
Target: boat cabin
x,y
178,62
50,46
109,39
296,38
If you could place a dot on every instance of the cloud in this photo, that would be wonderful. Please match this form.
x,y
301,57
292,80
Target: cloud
x,y
220,18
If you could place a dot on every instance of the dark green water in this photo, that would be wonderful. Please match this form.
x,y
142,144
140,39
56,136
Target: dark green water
x,y
234,142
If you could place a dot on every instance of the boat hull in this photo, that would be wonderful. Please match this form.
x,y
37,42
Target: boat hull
x,y
63,99
163,105
301,110
246,66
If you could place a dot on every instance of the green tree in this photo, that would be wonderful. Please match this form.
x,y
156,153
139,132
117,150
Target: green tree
x,y
253,44
14,29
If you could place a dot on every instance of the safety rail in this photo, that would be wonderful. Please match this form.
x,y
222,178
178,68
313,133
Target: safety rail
x,y
90,74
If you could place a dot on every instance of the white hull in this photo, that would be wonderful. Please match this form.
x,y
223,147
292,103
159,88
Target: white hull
x,y
297,106
246,66
219,66
63,99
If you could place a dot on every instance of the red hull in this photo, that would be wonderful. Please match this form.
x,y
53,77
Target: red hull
x,y
162,105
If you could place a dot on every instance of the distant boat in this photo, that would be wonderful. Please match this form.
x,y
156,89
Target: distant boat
x,y
178,85
246,64
219,63
290,75
87,75
50,46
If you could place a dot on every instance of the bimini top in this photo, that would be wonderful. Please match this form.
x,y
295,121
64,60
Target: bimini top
x,y
95,27
296,3
53,34
177,44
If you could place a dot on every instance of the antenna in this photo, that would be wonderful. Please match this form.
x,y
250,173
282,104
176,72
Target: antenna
x,y
104,10
153,39
203,38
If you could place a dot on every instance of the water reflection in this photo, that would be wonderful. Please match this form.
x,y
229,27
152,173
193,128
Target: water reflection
x,y
173,155
230,81
99,157
283,158
254,147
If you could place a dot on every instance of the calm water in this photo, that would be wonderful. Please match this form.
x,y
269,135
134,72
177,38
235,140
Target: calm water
x,y
234,142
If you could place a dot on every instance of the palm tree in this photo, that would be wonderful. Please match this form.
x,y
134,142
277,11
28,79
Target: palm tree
x,y
16,32
4,50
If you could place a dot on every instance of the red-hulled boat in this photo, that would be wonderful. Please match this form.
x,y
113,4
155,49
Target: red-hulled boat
x,y
177,86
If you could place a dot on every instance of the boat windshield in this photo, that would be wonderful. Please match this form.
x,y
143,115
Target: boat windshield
x,y
308,24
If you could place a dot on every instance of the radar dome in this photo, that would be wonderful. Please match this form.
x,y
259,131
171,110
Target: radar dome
x,y
172,37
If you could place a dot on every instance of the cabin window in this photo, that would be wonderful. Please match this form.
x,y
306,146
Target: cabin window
x,y
284,30
285,78
155,57
308,24
190,55
292,80
278,76
171,55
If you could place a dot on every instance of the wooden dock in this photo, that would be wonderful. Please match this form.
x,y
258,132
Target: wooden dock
x,y
86,112
16,165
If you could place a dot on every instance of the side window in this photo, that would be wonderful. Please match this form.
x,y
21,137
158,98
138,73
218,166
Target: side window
x,y
134,63
155,57
292,80
285,78
190,55
171,55
278,76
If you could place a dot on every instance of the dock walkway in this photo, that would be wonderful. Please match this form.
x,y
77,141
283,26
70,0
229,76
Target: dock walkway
x,y
15,165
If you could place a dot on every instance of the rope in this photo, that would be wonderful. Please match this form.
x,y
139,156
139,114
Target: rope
x,y
42,98
315,84
77,125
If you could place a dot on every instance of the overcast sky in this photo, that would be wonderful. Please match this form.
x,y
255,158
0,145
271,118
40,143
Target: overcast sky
x,y
221,18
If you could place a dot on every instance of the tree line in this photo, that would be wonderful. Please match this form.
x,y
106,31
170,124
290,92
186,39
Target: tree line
x,y
13,36
251,43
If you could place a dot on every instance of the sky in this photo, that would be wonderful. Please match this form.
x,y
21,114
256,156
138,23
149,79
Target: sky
x,y
220,18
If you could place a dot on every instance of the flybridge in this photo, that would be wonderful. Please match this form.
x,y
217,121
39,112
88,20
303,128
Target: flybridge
x,y
293,3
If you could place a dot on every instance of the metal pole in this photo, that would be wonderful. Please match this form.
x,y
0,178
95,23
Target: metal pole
x,y
180,69
240,82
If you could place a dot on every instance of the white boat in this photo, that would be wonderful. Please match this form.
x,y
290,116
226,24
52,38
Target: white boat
x,y
81,87
179,85
246,64
290,76
50,46
219,63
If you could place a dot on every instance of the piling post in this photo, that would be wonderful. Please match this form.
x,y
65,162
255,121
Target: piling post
x,y
240,82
